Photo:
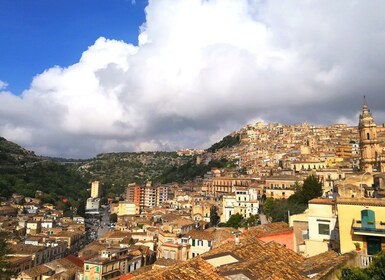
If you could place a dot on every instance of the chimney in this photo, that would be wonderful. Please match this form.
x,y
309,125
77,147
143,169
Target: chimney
x,y
237,235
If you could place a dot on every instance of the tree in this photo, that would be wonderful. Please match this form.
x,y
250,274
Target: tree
x,y
268,205
278,210
235,221
311,188
214,217
375,271
113,218
252,220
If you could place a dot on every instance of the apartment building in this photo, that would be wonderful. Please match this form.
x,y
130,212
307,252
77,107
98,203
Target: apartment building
x,y
112,262
281,187
243,201
96,189
146,195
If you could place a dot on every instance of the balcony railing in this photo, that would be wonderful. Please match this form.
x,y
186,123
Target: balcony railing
x,y
368,228
365,260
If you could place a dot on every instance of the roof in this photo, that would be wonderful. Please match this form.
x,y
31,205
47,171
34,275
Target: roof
x,y
117,234
195,268
362,201
252,258
75,260
25,249
267,230
182,222
322,201
166,262
37,271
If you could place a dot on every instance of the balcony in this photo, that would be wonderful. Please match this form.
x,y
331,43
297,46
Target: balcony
x,y
365,260
369,229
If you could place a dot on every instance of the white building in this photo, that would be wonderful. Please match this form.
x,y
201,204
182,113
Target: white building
x,y
150,196
315,230
93,205
243,201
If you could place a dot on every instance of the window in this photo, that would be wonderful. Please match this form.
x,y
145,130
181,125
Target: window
x,y
368,218
97,269
209,243
324,229
368,136
193,242
200,242
86,278
87,267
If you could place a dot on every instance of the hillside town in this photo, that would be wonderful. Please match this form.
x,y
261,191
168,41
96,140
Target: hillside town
x,y
185,231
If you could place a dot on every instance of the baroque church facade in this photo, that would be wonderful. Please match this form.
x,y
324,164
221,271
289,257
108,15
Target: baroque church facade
x,y
372,158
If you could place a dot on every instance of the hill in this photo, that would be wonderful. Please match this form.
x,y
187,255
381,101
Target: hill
x,y
22,172
116,170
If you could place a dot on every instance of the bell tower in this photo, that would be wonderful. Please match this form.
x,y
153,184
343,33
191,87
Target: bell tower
x,y
369,146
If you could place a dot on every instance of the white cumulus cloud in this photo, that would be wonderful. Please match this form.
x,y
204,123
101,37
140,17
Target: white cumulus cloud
x,y
201,70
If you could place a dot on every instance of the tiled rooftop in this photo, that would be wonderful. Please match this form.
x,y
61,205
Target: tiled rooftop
x,y
252,258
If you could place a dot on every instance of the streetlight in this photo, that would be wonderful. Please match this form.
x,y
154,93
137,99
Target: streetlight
x,y
362,176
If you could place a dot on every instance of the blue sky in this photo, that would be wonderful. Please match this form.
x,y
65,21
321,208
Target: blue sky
x,y
83,79
38,34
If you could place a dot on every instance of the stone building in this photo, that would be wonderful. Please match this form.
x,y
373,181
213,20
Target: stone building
x,y
371,153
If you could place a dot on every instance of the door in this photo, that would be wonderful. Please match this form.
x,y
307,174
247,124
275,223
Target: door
x,y
373,245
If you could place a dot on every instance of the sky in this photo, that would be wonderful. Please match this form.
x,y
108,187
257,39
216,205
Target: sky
x,y
82,77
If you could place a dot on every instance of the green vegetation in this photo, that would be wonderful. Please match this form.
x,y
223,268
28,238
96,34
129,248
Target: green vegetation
x,y
226,142
113,218
190,170
311,188
237,220
278,210
375,271
24,173
116,170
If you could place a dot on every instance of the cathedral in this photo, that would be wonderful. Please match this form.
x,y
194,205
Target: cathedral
x,y
372,159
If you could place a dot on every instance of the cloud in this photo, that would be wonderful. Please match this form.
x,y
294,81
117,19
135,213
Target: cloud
x,y
202,69
3,85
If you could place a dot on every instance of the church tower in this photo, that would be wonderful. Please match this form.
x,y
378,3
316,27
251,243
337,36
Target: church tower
x,y
369,146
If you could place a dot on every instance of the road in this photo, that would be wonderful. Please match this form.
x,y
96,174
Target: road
x,y
105,221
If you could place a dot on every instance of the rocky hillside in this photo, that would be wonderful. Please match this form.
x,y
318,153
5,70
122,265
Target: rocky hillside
x,y
124,168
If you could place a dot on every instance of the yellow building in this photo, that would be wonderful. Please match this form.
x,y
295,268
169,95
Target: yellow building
x,y
127,208
111,263
361,224
96,189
